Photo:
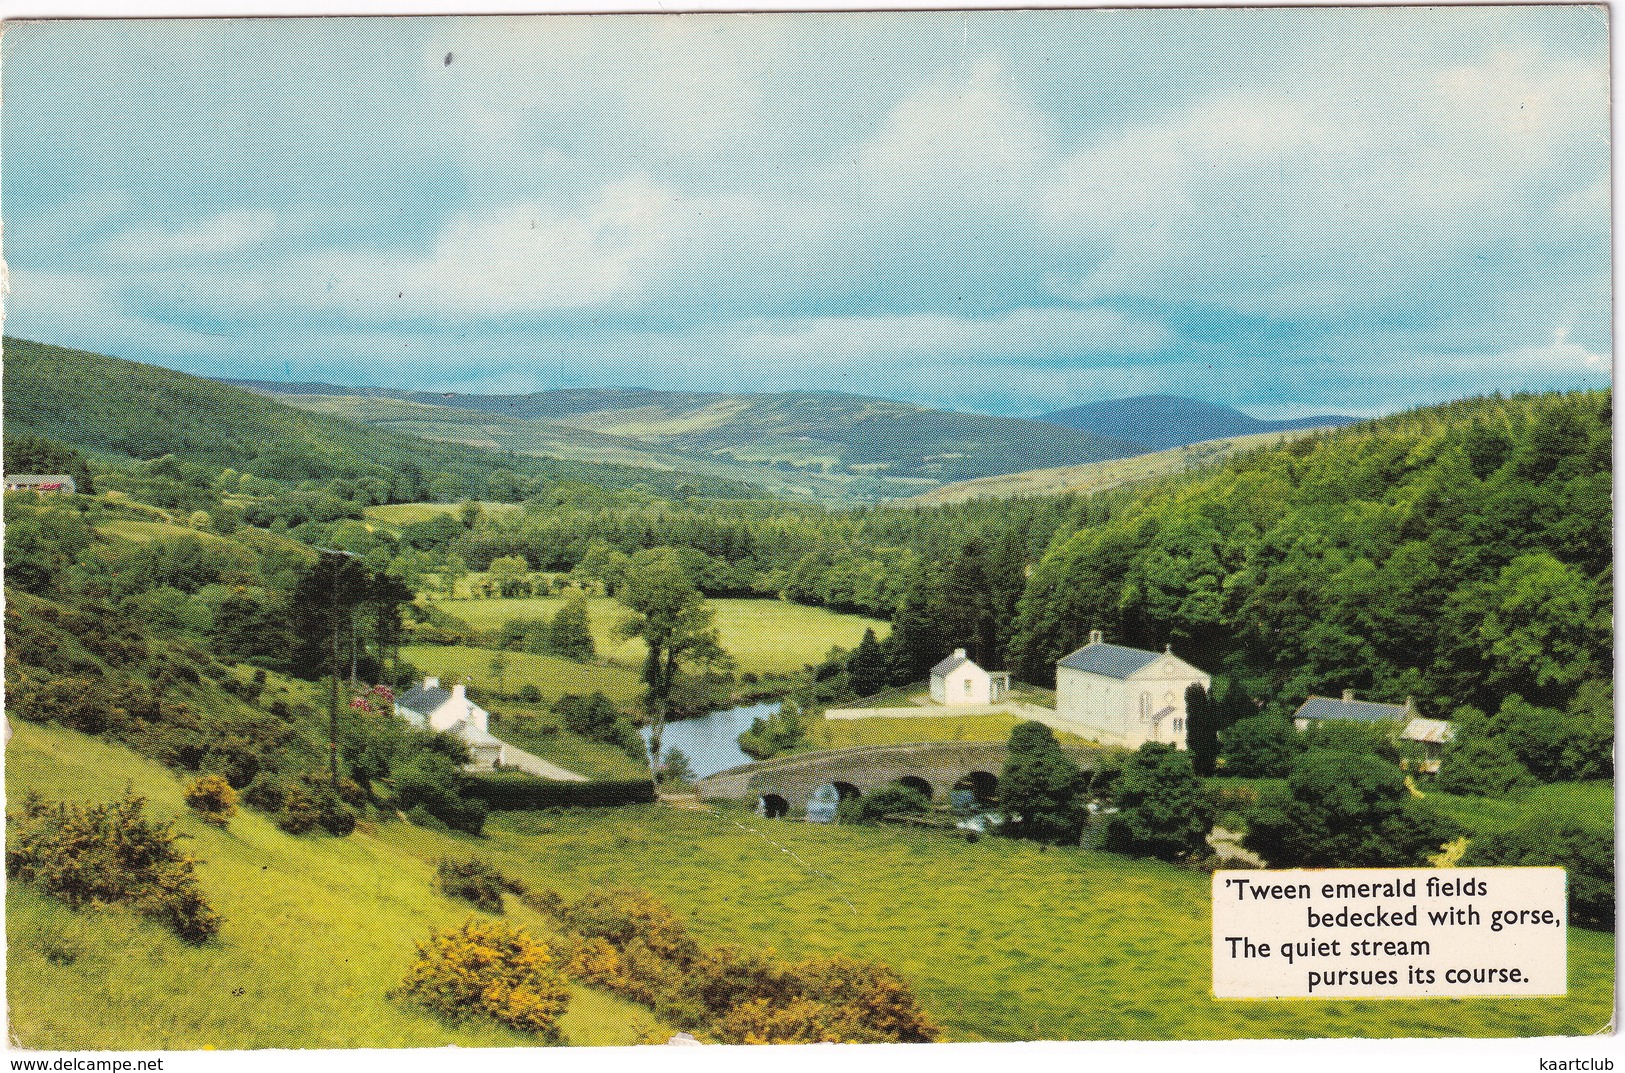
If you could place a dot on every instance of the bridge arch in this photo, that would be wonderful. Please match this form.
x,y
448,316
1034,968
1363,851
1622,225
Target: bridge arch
x,y
773,806
914,782
983,784
939,766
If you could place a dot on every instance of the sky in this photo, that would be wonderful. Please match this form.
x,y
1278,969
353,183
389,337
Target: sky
x,y
1290,211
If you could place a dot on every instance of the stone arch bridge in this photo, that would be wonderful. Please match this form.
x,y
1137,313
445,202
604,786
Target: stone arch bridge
x,y
935,768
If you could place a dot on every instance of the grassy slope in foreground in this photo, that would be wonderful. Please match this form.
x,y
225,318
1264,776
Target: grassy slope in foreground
x,y
316,930
1001,939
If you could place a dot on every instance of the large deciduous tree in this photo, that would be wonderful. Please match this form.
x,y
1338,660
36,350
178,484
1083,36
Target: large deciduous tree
x,y
1041,789
672,619
1162,809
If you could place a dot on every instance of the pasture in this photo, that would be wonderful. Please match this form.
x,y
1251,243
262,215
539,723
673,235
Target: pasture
x,y
851,733
763,636
553,677
1002,940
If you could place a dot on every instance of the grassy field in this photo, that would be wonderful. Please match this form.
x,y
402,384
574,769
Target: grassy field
x,y
407,513
850,733
764,636
540,731
316,930
552,676
1002,940
131,529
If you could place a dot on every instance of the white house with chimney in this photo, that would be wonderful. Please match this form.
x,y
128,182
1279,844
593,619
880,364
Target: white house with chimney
x,y
1125,696
435,708
957,680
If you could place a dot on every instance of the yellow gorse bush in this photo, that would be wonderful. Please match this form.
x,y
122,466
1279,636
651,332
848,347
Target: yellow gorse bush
x,y
488,969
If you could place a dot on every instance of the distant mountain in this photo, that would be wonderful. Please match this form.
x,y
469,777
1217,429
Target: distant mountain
x,y
1162,421
840,446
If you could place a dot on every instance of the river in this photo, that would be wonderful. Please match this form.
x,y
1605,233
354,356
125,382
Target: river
x,y
711,741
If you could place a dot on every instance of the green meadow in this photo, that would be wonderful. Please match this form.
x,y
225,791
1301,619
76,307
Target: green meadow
x,y
1002,940
316,931
764,636
553,677
851,733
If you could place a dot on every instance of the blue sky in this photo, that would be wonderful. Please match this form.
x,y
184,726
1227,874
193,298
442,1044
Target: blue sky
x,y
1291,211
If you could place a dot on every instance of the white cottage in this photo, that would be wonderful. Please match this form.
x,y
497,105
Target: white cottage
x,y
1125,696
450,710
957,680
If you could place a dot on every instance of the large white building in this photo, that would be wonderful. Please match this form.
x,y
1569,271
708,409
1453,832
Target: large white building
x,y
1125,696
957,680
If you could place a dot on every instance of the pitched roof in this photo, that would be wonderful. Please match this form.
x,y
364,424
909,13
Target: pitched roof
x,y
1356,711
1437,731
472,734
950,663
423,700
1113,661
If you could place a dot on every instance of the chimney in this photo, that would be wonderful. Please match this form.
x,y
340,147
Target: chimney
x,y
959,653
431,683
458,692
1410,704
1096,637
1348,695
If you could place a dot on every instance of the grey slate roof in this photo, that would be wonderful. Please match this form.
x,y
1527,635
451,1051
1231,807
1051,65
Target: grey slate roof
x,y
1355,711
423,700
949,664
1112,661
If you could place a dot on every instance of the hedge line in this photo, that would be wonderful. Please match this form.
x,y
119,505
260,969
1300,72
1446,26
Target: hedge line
x,y
503,791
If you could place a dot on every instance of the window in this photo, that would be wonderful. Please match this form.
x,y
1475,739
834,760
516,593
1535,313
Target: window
x,y
1179,726
967,687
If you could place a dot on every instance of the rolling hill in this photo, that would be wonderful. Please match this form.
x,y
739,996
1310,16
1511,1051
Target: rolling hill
x,y
1100,476
1163,421
122,409
865,449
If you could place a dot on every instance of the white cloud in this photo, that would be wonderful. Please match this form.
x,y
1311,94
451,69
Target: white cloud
x,y
225,234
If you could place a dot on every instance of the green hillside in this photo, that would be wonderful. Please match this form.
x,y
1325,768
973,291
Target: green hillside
x,y
1103,476
124,409
522,436
316,930
1002,940
871,448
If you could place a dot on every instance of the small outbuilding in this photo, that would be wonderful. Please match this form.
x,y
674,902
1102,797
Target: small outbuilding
x,y
1348,710
958,681
1430,736
59,483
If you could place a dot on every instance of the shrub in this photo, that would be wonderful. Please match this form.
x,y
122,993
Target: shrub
x,y
893,799
1345,810
213,799
106,854
474,881
488,970
299,806
1588,856
433,783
